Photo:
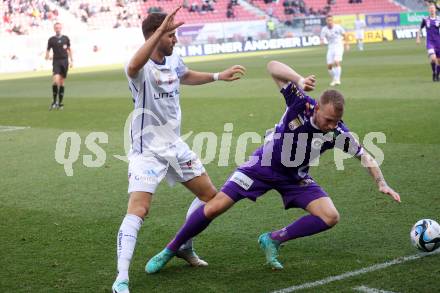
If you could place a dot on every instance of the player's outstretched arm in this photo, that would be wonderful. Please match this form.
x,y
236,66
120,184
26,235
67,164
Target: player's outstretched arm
x,y
373,168
283,74
142,55
192,77
346,43
419,32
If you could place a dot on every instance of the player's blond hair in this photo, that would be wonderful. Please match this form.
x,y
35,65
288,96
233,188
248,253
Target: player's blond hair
x,y
335,98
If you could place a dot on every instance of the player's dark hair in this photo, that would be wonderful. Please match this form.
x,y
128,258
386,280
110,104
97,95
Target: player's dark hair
x,y
335,98
152,23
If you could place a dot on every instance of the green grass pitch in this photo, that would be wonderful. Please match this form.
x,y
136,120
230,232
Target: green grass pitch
x,y
58,233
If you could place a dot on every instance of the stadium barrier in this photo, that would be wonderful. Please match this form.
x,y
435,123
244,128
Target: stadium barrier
x,y
412,18
26,53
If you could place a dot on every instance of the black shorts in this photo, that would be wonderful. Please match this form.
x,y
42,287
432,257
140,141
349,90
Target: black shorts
x,y
60,66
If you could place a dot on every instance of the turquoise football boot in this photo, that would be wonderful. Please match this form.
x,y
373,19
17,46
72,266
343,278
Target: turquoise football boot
x,y
270,248
157,262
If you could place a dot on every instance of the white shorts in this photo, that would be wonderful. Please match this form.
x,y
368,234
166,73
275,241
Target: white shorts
x,y
146,170
335,53
359,35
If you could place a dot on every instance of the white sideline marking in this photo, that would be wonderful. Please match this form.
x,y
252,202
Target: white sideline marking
x,y
370,290
357,272
4,128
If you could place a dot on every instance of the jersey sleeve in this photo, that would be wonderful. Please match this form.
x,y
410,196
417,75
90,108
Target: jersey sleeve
x,y
323,33
181,68
136,82
346,142
49,44
68,42
423,23
292,93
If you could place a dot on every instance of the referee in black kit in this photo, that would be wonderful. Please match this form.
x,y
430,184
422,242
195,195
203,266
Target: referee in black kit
x,y
60,45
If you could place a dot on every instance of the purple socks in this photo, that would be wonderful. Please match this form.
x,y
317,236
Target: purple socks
x,y
195,224
304,226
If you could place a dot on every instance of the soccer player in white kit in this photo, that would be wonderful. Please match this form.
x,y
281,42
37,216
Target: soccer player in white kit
x,y
154,74
359,26
334,34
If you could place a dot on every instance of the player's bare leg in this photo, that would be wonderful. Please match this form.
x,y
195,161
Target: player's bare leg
x,y
324,209
138,207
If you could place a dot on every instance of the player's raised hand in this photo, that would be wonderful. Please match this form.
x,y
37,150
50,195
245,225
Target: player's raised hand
x,y
232,73
168,24
388,190
309,83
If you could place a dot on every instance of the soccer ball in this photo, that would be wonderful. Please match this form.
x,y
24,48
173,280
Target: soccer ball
x,y
425,235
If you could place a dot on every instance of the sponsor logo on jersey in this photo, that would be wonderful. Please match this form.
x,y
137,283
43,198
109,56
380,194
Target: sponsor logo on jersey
x,y
295,123
165,95
242,180
306,182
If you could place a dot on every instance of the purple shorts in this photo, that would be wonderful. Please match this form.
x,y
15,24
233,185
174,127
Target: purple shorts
x,y
295,195
433,48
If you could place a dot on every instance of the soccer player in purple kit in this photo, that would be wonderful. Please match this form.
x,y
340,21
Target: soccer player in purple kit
x,y
307,129
432,25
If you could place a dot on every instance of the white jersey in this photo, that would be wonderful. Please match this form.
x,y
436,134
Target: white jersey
x,y
157,116
359,26
334,36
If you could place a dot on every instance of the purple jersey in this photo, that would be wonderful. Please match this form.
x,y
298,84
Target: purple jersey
x,y
296,141
432,26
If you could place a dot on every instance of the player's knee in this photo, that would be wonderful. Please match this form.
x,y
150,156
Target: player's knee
x,y
331,218
208,194
215,208
139,211
212,211
138,208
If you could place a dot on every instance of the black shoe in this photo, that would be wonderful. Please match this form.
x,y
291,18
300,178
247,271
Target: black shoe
x,y
437,78
434,78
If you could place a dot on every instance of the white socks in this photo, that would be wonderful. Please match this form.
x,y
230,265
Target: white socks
x,y
337,72
196,203
125,243
127,235
331,73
